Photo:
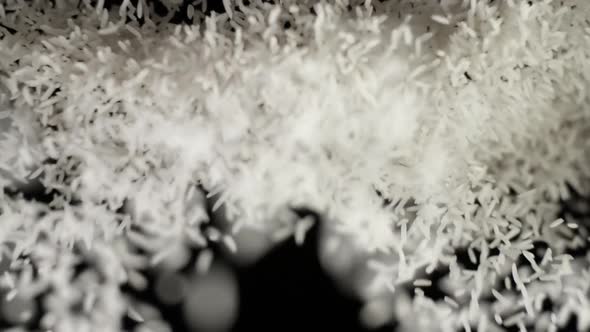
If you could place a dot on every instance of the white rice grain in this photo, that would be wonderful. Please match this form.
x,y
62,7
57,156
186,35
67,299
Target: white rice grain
x,y
547,257
221,200
213,234
498,319
230,243
27,96
140,9
104,18
228,8
418,292
122,46
89,301
99,7
531,258
134,32
204,261
556,223
134,315
422,283
123,9
36,173
11,295
515,275
451,302
190,11
301,228
440,19
273,16
138,79
499,296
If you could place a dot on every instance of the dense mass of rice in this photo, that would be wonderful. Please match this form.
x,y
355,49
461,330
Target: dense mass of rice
x,y
415,127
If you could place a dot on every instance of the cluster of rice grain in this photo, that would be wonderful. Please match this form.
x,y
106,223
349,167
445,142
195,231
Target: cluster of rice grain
x,y
416,127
